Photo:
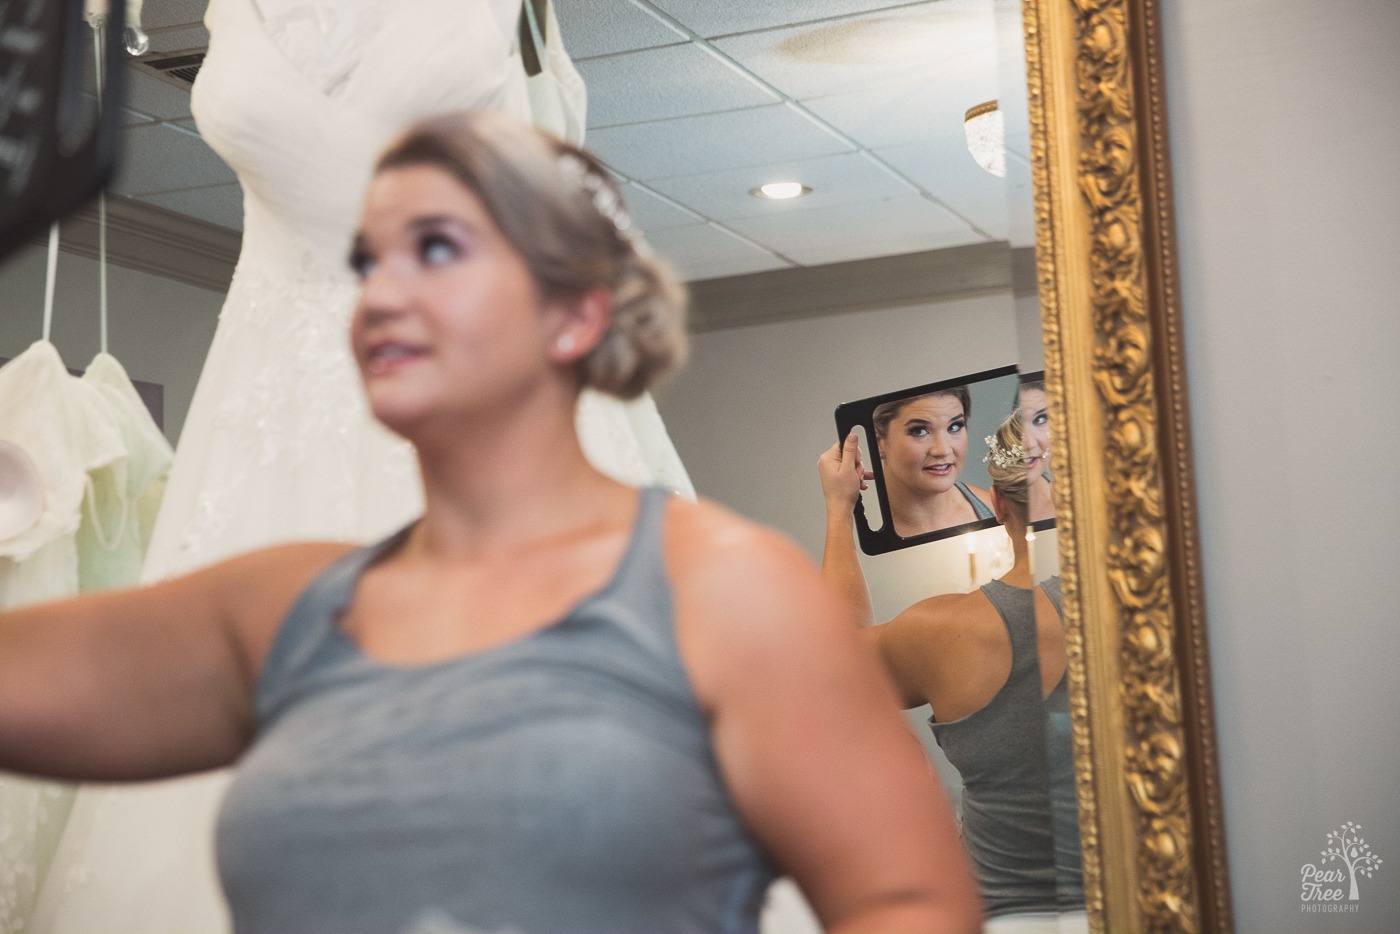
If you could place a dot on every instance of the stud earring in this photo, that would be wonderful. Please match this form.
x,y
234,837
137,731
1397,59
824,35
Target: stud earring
x,y
565,343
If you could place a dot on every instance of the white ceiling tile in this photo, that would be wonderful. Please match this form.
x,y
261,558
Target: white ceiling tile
x,y
132,118
859,231
840,179
760,262
699,251
947,172
932,107
651,212
717,18
163,158
165,13
885,73
603,27
129,117
894,46
222,204
180,40
658,84
1020,202
713,142
148,95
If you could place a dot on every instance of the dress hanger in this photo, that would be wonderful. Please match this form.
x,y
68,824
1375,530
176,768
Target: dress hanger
x,y
97,22
50,277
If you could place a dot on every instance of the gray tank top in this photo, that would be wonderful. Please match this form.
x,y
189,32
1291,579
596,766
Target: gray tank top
x,y
1064,803
1000,752
563,782
981,509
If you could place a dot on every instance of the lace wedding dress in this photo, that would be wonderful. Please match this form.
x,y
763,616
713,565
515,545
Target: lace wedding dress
x,y
298,97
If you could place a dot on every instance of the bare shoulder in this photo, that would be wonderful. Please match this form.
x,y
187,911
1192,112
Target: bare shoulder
x,y
291,561
713,549
748,602
934,616
271,573
929,628
258,588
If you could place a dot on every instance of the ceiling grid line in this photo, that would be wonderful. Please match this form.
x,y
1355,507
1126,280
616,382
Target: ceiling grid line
x,y
800,109
692,112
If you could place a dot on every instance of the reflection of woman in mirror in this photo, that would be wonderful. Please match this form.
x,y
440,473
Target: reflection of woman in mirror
x,y
991,665
1035,420
922,442
552,702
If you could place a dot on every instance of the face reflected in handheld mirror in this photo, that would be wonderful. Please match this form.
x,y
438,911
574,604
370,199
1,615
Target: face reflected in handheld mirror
x,y
926,447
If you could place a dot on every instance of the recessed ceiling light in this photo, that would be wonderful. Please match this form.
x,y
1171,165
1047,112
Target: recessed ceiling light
x,y
781,191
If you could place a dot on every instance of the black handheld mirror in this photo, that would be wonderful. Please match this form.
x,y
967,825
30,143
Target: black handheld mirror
x,y
925,447
57,146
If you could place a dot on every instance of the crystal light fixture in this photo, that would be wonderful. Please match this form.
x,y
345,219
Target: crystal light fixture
x,y
986,137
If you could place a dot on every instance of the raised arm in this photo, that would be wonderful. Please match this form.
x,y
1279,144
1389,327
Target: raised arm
x,y
843,477
810,739
149,682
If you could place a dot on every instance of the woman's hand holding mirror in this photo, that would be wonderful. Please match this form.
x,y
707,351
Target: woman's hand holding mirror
x,y
843,475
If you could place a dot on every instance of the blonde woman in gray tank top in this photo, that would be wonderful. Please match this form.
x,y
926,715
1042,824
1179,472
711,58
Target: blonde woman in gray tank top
x,y
550,704
991,665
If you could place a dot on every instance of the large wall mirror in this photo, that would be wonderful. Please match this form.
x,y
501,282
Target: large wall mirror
x,y
1046,259
1067,270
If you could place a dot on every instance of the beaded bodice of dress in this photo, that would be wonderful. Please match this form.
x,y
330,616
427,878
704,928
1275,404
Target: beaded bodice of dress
x,y
300,115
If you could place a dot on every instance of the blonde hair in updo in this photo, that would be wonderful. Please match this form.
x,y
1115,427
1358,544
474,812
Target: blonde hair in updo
x,y
558,225
1006,464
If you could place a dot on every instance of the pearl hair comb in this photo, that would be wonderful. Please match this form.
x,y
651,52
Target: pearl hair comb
x,y
605,198
1004,457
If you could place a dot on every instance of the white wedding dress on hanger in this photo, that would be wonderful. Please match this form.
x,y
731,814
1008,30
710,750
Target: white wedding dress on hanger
x,y
299,97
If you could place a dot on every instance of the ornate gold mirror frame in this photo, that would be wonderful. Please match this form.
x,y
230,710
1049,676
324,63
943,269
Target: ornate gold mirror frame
x,y
1149,793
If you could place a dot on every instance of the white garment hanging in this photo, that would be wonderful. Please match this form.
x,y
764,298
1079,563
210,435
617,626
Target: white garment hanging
x,y
49,415
126,495
53,417
97,459
91,441
558,96
278,444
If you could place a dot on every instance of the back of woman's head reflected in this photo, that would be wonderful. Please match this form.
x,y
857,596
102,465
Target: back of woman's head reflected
x,y
1006,465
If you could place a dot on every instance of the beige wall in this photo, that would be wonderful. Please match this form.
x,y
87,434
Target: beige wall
x,y
1285,139
159,329
753,409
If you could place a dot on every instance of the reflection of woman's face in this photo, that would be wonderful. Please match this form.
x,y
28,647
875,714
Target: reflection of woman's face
x,y
1035,422
926,444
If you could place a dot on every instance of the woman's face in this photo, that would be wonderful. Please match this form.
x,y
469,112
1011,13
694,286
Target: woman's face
x,y
1035,423
449,320
925,444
